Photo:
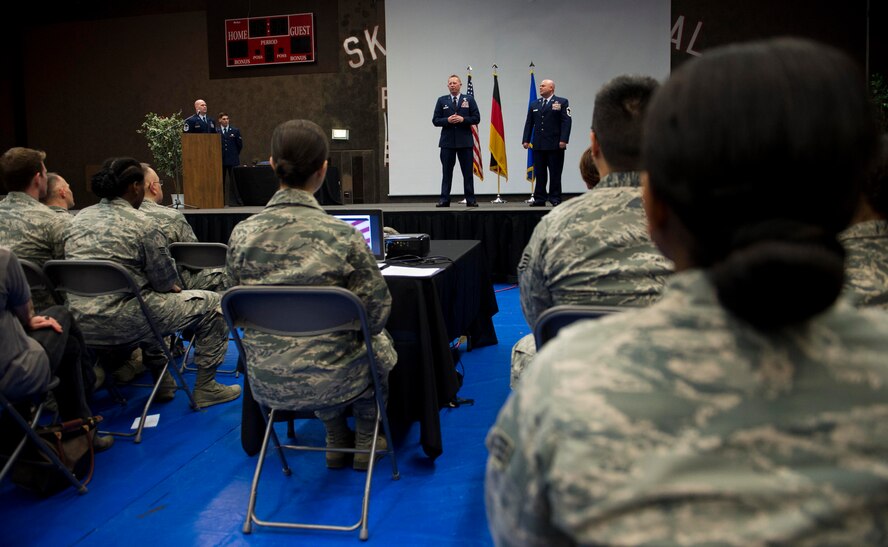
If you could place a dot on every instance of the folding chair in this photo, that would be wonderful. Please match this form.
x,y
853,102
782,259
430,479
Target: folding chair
x,y
200,256
8,407
558,317
276,310
92,278
38,281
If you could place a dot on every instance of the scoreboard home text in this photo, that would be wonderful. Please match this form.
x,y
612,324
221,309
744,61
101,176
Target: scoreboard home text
x,y
270,40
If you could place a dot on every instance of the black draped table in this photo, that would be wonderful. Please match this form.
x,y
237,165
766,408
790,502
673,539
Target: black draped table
x,y
428,313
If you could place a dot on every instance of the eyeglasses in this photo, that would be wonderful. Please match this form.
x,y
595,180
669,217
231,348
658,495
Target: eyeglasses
x,y
160,183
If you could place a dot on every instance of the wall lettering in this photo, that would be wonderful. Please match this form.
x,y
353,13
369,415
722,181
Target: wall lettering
x,y
678,29
351,45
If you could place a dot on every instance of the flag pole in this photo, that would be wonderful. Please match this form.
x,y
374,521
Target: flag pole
x,y
477,163
498,199
530,150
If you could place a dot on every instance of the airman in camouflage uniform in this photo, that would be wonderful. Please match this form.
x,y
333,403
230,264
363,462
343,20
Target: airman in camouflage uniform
x,y
175,227
293,241
593,249
866,241
114,230
29,228
866,263
607,442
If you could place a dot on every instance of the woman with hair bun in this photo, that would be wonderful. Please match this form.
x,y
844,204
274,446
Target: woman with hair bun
x,y
749,405
293,241
115,230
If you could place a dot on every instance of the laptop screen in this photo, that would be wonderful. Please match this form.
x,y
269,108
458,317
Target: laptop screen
x,y
369,223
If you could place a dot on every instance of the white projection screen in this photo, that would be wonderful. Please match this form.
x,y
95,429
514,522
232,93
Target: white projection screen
x,y
580,44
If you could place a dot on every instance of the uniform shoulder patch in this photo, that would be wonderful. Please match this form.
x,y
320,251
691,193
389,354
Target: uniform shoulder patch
x,y
568,111
185,129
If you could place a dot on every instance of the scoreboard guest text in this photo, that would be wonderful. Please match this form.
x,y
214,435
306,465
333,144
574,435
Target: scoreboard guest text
x,y
270,40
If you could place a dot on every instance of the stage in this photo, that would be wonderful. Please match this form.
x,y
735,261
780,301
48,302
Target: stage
x,y
503,228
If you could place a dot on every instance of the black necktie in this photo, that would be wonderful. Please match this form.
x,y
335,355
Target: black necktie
x,y
454,101
544,103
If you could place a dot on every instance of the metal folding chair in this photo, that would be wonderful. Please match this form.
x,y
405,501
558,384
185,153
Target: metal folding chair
x,y
558,317
38,281
276,310
8,407
199,256
92,278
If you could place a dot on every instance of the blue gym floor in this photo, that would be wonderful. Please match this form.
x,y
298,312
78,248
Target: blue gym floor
x,y
188,482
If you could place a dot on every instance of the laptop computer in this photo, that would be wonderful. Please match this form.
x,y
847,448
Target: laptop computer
x,y
369,223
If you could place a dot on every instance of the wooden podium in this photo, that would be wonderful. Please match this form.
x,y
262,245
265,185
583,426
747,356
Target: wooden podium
x,y
202,170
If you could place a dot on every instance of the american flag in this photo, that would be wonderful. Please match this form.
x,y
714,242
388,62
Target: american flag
x,y
476,143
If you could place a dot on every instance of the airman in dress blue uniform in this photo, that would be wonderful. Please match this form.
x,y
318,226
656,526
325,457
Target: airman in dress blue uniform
x,y
232,144
199,123
548,120
455,114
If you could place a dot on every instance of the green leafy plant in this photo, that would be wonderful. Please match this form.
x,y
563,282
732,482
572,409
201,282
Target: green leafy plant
x,y
879,90
164,136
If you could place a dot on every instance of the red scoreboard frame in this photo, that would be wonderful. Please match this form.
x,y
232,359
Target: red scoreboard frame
x,y
276,39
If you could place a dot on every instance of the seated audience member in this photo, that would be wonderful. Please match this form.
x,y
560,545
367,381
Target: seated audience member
x,y
173,225
595,248
29,228
34,348
588,171
114,229
866,241
294,242
746,406
59,196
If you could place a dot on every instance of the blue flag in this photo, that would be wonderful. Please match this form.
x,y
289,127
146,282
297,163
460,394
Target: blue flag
x,y
533,97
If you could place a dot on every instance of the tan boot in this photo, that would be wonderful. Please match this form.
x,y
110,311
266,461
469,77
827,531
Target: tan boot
x,y
167,390
209,392
130,368
364,441
338,436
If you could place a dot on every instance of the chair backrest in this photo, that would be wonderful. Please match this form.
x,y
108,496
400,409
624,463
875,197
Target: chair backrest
x,y
296,311
38,281
293,310
199,256
558,317
93,278
90,277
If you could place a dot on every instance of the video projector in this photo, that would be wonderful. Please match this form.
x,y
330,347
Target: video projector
x,y
406,245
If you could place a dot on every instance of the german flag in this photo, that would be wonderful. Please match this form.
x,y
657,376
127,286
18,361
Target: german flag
x,y
498,163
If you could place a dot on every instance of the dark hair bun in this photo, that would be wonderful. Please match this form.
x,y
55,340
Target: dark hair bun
x,y
290,172
104,184
796,274
115,177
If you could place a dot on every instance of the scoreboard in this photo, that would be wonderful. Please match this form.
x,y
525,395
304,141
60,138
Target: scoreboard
x,y
277,39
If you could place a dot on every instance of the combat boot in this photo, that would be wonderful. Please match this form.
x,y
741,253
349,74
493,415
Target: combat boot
x,y
168,386
338,436
364,441
132,367
209,392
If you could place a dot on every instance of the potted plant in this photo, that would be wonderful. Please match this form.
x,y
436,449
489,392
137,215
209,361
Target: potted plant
x,y
879,91
164,136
